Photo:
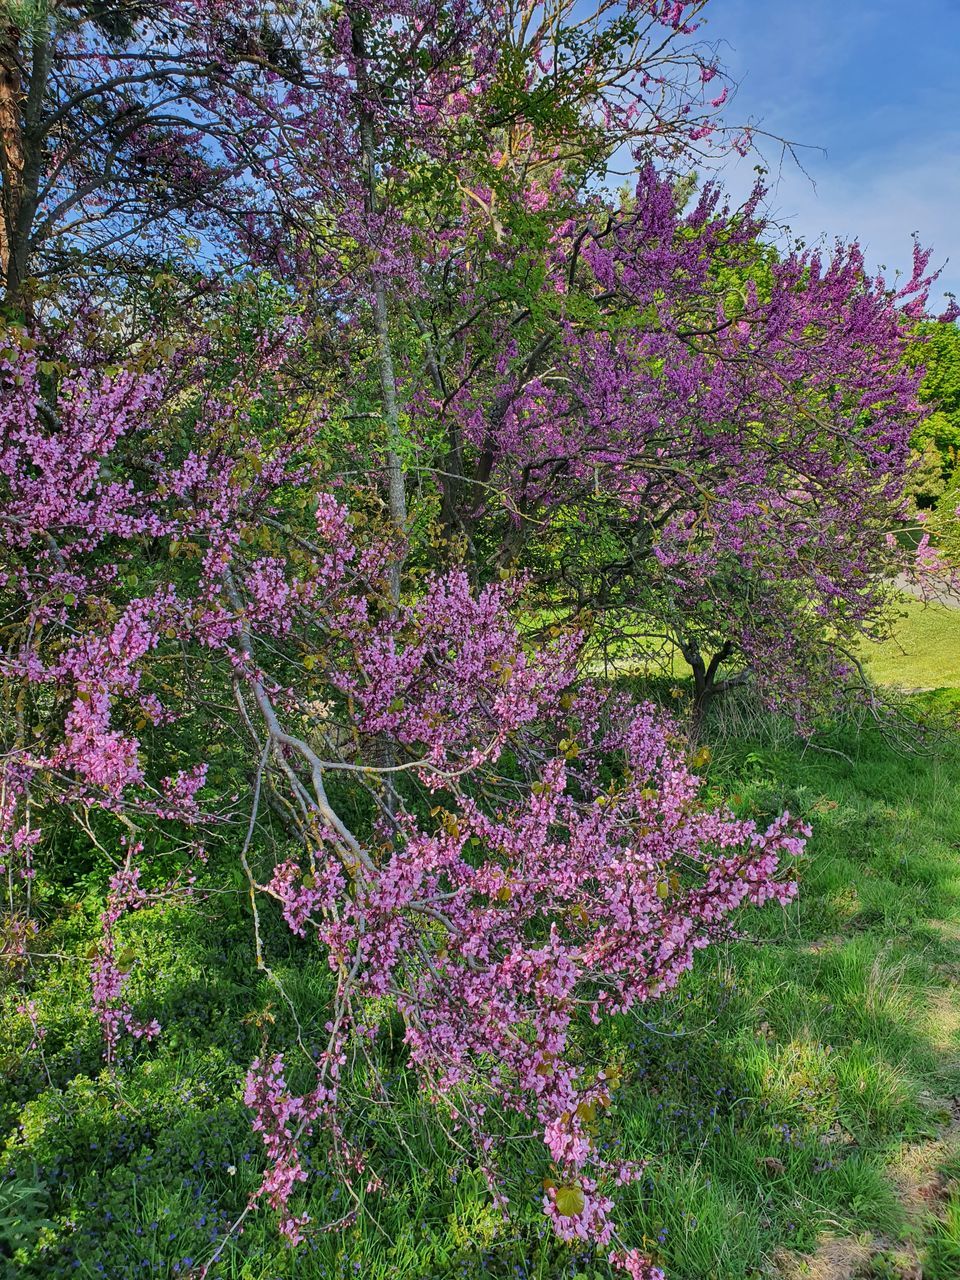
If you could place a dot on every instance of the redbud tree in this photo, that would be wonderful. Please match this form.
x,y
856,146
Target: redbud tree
x,y
541,854
317,530
693,438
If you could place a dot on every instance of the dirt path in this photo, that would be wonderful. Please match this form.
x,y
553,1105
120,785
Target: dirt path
x,y
949,599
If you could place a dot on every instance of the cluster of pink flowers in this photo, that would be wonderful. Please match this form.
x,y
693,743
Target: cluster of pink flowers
x,y
302,896
589,1221
17,837
635,1265
460,677
282,1119
108,973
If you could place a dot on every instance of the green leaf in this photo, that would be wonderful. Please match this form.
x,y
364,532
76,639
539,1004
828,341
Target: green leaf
x,y
570,1201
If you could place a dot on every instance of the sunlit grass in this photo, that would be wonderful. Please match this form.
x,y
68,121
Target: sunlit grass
x,y
922,653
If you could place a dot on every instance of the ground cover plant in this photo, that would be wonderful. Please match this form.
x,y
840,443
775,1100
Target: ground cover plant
x,y
354,920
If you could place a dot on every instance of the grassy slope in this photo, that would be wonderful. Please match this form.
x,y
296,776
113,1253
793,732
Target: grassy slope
x,y
774,1096
840,1036
923,652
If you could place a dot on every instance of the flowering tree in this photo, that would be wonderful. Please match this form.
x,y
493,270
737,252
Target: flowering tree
x,y
731,429
282,135
490,915
132,135
209,531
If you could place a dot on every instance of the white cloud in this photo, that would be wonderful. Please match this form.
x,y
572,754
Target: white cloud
x,y
868,80
882,206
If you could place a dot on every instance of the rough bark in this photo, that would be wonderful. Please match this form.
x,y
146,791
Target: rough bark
x,y
12,159
706,686
21,157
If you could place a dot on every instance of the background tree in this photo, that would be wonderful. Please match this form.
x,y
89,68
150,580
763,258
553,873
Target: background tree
x,y
937,438
671,426
137,134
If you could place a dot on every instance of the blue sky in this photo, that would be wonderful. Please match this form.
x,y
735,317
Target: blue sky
x,y
876,83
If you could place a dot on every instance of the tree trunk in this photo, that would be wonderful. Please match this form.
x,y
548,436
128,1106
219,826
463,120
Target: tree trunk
x,y
21,158
396,488
705,684
12,158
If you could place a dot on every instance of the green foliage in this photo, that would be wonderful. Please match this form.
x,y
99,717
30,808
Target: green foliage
x,y
23,1205
941,384
926,483
942,1261
939,435
945,524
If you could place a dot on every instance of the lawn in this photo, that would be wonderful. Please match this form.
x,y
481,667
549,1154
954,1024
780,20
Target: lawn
x,y
923,652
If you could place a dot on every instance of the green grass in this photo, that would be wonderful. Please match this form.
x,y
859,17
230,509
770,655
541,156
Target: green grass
x,y
771,1094
922,653
831,1032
